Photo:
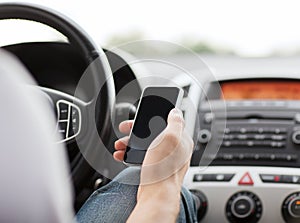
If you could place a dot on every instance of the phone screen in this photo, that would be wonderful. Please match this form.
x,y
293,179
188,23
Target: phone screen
x,y
150,120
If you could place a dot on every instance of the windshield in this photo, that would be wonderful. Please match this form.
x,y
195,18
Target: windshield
x,y
251,28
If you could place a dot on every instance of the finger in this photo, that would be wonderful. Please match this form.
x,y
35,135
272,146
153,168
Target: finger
x,y
175,122
175,118
121,143
125,126
119,155
172,134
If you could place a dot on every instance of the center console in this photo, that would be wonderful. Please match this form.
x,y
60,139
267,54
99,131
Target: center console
x,y
247,156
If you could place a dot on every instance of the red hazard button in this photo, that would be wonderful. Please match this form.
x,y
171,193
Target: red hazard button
x,y
246,180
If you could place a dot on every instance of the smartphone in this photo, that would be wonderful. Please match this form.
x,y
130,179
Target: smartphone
x,y
150,120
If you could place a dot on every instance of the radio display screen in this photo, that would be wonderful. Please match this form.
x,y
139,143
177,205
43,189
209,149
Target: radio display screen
x,y
261,90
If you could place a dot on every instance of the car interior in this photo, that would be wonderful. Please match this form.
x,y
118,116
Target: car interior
x,y
243,114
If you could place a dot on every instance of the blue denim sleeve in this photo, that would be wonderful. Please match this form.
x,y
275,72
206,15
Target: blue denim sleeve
x,y
115,201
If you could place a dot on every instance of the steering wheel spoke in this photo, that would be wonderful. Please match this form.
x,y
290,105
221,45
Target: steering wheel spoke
x,y
69,113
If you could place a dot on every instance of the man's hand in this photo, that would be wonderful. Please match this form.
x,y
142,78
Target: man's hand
x,y
165,164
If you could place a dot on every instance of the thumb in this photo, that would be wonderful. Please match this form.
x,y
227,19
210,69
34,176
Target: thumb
x,y
172,133
175,120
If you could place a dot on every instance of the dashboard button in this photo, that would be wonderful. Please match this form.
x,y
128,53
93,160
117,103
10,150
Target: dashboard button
x,y
250,143
295,180
296,137
246,179
243,130
269,178
213,177
226,143
242,136
259,137
291,157
277,144
228,177
228,137
287,179
278,130
227,156
272,178
278,137
227,131
198,178
261,130
223,177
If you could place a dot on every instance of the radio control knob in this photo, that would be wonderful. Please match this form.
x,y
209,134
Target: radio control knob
x,y
204,136
296,137
291,208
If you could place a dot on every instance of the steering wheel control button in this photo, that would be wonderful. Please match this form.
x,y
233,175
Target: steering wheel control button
x,y
204,136
213,177
74,122
246,180
63,111
291,208
69,119
244,207
63,128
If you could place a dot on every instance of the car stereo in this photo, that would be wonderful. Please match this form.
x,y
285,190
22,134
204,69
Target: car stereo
x,y
262,124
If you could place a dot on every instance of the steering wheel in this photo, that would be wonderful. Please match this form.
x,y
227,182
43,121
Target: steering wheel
x,y
75,116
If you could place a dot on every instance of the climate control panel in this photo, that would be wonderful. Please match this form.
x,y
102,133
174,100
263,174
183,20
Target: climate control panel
x,y
247,194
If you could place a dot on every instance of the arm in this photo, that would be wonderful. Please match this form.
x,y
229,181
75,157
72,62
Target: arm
x,y
163,170
159,204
